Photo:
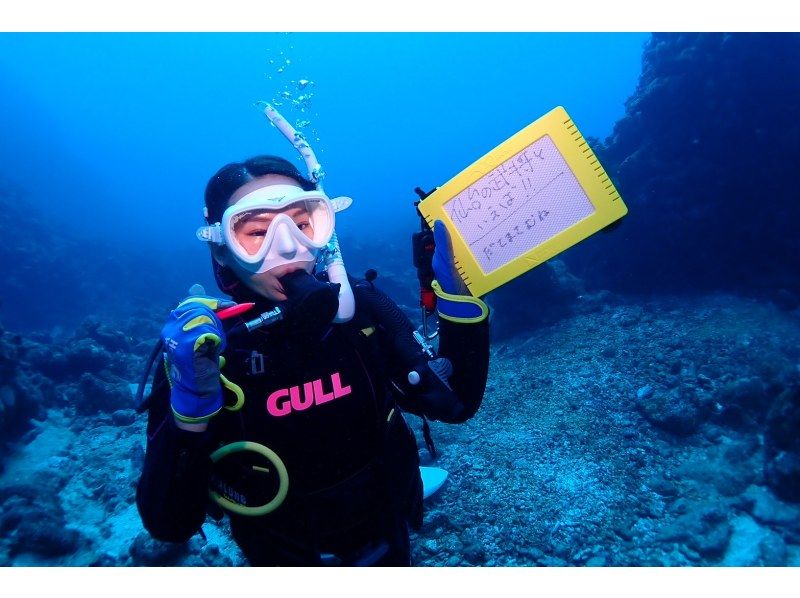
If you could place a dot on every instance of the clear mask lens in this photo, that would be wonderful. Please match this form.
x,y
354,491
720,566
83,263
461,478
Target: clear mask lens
x,y
257,230
252,227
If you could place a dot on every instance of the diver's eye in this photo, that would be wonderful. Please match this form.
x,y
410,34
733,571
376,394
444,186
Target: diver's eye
x,y
303,224
257,232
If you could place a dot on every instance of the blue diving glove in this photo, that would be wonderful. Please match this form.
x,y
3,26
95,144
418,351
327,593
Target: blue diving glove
x,y
454,301
193,340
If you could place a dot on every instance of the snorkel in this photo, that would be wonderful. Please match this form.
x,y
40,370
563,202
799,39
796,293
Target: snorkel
x,y
330,256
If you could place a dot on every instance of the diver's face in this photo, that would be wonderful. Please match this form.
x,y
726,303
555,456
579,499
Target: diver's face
x,y
250,234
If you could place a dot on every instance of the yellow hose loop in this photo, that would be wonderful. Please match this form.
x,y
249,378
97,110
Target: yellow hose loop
x,y
272,457
235,389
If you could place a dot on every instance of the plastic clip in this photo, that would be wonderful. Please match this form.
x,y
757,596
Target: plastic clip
x,y
256,363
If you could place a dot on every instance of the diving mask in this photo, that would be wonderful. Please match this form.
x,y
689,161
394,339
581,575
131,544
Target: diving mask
x,y
276,225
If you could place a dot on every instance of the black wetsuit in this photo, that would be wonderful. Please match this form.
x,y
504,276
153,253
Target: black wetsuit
x,y
326,402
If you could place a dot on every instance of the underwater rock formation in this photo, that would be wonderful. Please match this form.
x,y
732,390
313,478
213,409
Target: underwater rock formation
x,y
675,412
21,397
544,295
782,445
704,530
147,551
705,160
32,519
86,373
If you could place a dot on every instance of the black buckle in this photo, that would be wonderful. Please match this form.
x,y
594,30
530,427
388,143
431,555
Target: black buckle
x,y
256,363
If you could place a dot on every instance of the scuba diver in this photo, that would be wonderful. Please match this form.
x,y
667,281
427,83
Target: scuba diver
x,y
292,420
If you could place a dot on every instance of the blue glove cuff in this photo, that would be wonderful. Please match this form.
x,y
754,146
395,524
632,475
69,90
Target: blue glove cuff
x,y
188,405
191,409
464,309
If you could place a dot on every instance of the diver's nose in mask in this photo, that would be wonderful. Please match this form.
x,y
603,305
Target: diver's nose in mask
x,y
285,244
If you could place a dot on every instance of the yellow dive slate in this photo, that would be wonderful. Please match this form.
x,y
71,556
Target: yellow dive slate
x,y
533,196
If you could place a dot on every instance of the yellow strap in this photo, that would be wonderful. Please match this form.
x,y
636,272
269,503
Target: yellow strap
x,y
196,321
437,288
208,336
194,420
166,371
212,303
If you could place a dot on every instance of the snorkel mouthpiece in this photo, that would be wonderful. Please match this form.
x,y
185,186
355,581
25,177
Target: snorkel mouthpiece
x,y
311,304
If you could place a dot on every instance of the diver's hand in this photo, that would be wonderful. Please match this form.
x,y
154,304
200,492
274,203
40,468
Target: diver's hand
x,y
193,339
454,301
444,267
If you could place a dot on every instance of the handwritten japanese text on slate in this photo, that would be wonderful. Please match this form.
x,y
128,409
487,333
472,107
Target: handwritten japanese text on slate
x,y
519,205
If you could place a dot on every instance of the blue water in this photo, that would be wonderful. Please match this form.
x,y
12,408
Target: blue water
x,y
132,126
